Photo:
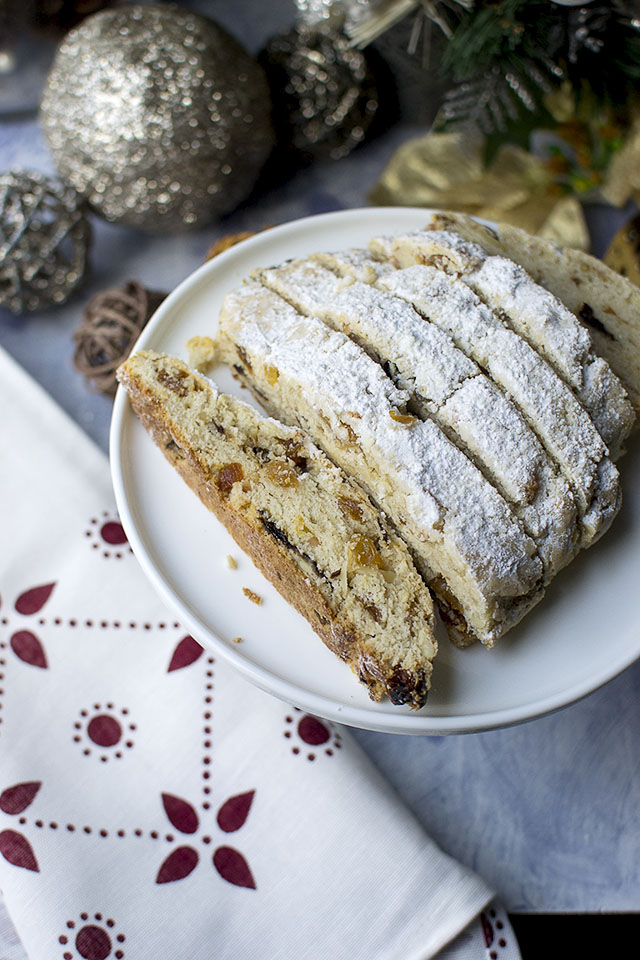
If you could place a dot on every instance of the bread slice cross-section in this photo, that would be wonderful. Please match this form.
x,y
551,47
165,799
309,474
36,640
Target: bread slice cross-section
x,y
444,384
310,529
532,312
465,538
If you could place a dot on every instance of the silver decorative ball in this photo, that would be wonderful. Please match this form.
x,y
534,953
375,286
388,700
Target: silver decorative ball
x,y
44,241
324,93
158,116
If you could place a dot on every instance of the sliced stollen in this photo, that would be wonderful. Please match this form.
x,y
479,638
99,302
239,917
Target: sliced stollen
x,y
549,406
309,528
444,384
465,539
530,310
607,304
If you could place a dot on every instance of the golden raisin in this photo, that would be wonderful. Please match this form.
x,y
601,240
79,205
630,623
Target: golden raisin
x,y
404,418
363,552
281,473
229,475
350,508
350,432
271,375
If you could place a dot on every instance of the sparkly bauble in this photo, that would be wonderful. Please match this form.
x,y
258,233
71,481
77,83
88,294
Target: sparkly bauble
x,y
44,241
324,95
158,116
112,323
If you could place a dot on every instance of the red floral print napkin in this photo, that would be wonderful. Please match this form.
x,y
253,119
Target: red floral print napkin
x,y
152,803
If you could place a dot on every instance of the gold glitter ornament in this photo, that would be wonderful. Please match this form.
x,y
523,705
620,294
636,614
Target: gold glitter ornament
x,y
158,116
44,241
324,93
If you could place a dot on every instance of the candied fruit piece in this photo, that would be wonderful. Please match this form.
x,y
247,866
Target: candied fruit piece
x,y
229,475
364,553
350,508
404,418
271,375
281,473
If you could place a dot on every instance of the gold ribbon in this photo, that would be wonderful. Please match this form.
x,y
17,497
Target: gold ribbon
x,y
446,171
622,182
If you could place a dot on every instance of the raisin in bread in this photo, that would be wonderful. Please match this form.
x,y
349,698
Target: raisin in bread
x,y
307,527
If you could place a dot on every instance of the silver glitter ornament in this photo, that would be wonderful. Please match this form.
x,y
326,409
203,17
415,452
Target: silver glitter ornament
x,y
324,94
44,241
158,116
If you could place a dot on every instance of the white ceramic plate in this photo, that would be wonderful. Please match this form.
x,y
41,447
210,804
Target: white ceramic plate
x,y
584,632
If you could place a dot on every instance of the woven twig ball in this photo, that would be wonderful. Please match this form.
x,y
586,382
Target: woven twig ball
x,y
44,241
112,323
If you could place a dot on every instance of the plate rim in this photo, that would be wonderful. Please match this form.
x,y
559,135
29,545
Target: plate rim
x,y
289,692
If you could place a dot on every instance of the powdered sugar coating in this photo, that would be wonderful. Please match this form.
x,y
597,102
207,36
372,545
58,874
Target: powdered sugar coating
x,y
427,360
533,312
446,509
549,406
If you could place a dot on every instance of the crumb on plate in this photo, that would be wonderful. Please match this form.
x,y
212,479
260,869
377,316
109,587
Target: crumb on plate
x,y
250,595
231,562
202,352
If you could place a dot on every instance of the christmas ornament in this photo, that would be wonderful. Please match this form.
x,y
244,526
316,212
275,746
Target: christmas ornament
x,y
112,323
623,254
323,91
158,116
44,241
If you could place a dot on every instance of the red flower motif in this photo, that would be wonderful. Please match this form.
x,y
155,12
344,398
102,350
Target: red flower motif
x,y
178,865
112,532
233,813
17,798
181,814
16,849
33,600
233,867
28,648
312,730
487,930
187,652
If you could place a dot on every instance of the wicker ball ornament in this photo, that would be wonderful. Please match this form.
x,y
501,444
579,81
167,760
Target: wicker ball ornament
x,y
158,116
323,91
112,323
44,241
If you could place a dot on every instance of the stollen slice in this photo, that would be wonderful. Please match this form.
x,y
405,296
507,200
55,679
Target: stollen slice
x,y
464,537
310,529
605,302
532,312
444,384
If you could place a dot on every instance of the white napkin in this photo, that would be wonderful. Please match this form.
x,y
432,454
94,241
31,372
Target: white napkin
x,y
152,803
